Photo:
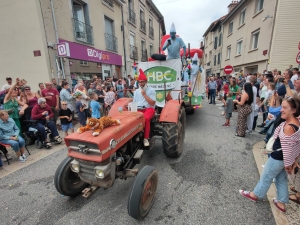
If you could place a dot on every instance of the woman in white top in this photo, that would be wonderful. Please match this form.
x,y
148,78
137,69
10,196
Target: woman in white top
x,y
263,90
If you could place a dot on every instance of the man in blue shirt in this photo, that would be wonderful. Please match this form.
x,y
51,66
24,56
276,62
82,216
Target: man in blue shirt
x,y
212,86
145,97
95,106
174,44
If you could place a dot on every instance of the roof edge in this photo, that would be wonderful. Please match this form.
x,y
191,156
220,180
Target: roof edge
x,y
241,2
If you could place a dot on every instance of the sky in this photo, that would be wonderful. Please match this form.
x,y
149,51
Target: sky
x,y
191,17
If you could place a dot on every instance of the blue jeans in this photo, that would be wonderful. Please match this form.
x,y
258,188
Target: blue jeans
x,y
16,145
273,169
212,95
50,124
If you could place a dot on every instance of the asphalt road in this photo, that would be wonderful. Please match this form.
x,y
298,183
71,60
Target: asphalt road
x,y
201,187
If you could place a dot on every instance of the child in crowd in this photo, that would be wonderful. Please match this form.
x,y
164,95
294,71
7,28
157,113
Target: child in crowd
x,y
228,109
95,106
65,115
256,110
80,109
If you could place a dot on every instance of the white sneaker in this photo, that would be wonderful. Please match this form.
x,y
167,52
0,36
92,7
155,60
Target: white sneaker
x,y
146,143
21,159
24,156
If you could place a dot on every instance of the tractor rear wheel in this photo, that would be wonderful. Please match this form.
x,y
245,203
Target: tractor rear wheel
x,y
173,136
66,181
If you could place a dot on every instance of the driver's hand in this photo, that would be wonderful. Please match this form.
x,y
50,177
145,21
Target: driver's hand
x,y
143,92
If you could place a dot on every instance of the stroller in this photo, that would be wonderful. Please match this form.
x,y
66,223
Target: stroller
x,y
31,133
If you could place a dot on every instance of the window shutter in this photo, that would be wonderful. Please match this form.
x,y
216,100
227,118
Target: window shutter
x,y
220,39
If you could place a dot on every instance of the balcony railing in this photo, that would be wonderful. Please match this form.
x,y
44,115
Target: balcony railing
x,y
83,32
110,3
143,25
131,16
133,52
144,56
111,42
151,32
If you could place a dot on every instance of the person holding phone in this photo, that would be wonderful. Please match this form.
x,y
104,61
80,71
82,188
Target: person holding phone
x,y
145,97
174,44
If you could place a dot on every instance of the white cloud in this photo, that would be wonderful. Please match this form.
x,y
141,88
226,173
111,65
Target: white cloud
x,y
191,17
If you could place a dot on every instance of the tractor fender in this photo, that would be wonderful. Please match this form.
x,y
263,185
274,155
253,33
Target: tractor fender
x,y
170,112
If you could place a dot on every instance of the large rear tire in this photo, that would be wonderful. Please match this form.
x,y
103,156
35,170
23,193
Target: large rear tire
x,y
142,193
66,181
173,136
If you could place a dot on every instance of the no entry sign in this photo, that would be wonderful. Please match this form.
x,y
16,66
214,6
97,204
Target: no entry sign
x,y
298,58
228,69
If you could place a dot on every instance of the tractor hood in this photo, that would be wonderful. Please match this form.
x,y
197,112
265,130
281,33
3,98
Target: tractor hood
x,y
84,146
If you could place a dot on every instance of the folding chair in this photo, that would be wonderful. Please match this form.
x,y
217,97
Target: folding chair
x,y
3,149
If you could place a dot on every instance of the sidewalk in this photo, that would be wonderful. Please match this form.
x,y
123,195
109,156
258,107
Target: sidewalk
x,y
292,216
36,154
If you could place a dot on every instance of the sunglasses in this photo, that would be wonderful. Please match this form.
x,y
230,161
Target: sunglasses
x,y
63,104
27,89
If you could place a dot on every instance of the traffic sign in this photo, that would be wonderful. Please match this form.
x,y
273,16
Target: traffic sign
x,y
228,69
298,58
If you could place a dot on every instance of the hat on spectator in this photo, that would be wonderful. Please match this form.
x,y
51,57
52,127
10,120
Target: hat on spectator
x,y
142,75
77,93
281,91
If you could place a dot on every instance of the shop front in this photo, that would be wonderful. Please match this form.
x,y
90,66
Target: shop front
x,y
86,62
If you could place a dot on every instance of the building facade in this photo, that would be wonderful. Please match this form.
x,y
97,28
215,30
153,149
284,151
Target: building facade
x,y
213,48
257,35
74,39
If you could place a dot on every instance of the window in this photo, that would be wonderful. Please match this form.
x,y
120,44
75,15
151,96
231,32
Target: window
x,y
259,5
228,52
82,30
216,43
220,28
212,37
151,30
110,39
220,39
206,58
255,36
230,29
210,56
142,21
151,50
219,58
242,17
84,63
131,12
133,48
215,60
239,47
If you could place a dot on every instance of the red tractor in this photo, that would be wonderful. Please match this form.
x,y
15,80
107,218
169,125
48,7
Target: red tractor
x,y
96,162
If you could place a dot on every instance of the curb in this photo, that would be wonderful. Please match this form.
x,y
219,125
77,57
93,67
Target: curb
x,y
280,218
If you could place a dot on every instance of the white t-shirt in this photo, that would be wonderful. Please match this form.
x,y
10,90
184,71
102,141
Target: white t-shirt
x,y
5,87
254,97
294,77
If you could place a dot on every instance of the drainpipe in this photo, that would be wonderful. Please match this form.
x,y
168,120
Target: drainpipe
x,y
124,43
272,33
56,35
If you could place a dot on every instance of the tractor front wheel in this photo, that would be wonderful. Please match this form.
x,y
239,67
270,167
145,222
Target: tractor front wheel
x,y
66,181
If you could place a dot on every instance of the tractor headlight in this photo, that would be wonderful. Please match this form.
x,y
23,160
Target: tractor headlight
x,y
102,171
75,166
113,143
99,173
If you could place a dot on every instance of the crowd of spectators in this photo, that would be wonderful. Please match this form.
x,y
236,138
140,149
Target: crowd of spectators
x,y
56,104
276,96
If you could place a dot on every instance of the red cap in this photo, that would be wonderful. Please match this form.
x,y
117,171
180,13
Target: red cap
x,y
142,75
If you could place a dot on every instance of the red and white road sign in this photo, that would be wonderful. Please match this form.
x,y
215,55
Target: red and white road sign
x,y
298,58
228,69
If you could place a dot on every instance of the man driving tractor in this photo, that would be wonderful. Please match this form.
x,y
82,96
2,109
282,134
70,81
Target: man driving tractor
x,y
145,97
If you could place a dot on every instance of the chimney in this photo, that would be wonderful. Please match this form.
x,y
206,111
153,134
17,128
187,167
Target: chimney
x,y
232,5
